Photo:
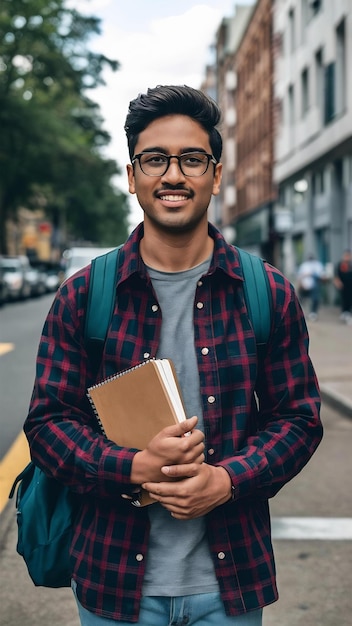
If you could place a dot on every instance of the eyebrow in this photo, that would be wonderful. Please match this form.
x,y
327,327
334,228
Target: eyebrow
x,y
161,150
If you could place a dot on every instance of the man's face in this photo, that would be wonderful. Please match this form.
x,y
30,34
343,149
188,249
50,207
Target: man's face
x,y
174,202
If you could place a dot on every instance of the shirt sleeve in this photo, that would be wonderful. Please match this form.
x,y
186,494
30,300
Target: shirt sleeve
x,y
289,428
63,434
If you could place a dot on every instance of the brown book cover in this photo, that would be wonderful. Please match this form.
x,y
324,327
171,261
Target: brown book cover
x,y
134,405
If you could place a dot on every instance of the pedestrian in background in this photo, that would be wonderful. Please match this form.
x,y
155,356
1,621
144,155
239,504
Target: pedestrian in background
x,y
201,554
310,274
343,282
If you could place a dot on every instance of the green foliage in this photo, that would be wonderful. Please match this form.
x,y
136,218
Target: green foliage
x,y
51,131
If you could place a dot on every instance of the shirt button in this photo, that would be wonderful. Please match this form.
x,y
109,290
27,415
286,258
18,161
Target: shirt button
x,y
211,451
200,305
221,555
200,283
155,308
211,399
146,355
139,557
205,351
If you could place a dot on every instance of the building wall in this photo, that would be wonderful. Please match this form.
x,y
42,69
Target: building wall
x,y
209,86
313,140
228,37
254,113
311,82
255,191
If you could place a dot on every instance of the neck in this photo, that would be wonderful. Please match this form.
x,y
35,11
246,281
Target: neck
x,y
175,253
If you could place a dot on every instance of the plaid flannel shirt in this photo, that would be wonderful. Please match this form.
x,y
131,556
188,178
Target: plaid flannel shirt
x,y
261,448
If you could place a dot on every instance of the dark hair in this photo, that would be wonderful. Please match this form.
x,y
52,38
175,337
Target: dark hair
x,y
173,100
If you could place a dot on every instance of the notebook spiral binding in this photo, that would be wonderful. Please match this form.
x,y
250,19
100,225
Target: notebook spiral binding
x,y
114,376
103,382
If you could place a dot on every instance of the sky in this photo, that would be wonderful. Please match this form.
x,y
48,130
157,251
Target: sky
x,y
156,42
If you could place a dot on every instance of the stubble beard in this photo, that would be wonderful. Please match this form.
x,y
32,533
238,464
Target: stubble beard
x,y
178,229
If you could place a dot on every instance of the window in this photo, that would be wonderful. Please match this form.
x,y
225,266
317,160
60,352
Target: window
x,y
322,245
292,30
305,91
335,79
340,68
310,8
291,105
319,79
315,6
318,183
329,93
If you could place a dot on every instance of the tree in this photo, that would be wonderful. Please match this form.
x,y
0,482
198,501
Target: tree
x,y
51,131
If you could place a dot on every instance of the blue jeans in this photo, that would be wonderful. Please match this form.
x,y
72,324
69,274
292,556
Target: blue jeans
x,y
204,609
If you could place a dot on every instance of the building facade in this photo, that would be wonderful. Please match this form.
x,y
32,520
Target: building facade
x,y
313,134
228,38
256,194
243,69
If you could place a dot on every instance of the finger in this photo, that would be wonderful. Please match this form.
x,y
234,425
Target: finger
x,y
165,491
182,428
189,424
187,451
185,470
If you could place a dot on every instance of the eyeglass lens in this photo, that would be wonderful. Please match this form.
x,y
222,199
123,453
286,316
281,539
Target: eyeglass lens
x,y
191,164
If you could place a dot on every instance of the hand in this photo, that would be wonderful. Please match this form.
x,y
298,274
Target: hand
x,y
178,444
199,489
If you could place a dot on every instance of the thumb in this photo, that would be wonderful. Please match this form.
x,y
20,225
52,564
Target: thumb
x,y
188,424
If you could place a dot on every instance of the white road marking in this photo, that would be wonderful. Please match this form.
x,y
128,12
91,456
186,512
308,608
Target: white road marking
x,y
323,528
6,347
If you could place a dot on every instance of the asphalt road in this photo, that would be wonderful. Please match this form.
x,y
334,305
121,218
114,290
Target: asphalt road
x,y
314,575
20,328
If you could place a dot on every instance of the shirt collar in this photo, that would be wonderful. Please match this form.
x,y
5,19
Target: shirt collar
x,y
225,257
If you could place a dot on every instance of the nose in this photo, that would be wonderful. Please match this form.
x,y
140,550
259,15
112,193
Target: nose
x,y
174,171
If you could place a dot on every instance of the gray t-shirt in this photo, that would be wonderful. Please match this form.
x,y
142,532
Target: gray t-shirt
x,y
179,561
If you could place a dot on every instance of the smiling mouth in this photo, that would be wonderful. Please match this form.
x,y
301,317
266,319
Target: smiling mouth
x,y
173,198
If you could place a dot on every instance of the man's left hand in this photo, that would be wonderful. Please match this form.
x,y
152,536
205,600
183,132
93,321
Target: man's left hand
x,y
198,489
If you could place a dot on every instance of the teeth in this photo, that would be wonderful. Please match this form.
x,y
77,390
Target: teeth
x,y
173,198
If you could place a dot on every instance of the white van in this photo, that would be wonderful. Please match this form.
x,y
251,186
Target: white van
x,y
76,258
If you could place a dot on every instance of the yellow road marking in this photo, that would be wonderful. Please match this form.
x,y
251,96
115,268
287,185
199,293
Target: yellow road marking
x,y
11,465
6,347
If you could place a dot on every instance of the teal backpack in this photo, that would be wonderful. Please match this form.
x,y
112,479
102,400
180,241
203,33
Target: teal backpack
x,y
46,509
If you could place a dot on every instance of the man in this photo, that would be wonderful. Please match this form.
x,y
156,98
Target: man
x,y
201,554
343,282
310,274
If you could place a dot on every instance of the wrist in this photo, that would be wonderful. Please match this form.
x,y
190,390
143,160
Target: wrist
x,y
137,476
229,488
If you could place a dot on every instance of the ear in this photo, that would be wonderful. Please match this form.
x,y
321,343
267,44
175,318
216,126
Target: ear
x,y
130,177
217,179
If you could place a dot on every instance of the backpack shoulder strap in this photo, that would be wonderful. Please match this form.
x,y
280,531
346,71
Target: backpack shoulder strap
x,y
101,296
257,294
101,299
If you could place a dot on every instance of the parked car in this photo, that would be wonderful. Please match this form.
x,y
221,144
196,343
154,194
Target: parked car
x,y
15,268
53,278
76,258
4,292
36,278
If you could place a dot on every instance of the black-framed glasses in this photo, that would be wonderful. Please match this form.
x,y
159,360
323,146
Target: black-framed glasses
x,y
190,163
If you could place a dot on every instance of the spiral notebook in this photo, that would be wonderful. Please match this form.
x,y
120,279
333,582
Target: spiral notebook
x,y
134,405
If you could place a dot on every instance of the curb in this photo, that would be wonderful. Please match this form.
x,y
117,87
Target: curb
x,y
336,400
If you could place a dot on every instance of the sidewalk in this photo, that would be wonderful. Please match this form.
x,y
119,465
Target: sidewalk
x,y
331,353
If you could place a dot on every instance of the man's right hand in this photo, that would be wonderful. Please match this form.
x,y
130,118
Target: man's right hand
x,y
174,445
